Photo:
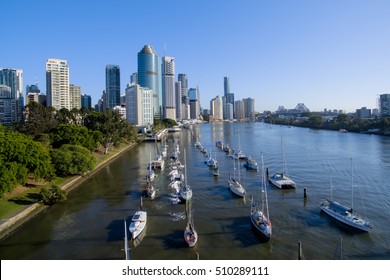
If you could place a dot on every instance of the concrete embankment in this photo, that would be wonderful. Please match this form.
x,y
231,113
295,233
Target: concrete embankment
x,y
12,223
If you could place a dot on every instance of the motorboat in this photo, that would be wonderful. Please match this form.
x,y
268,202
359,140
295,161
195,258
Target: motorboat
x,y
138,223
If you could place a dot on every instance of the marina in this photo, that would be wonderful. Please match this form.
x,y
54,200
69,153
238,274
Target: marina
x,y
89,225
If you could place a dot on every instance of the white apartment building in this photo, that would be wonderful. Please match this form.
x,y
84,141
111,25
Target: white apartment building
x,y
57,84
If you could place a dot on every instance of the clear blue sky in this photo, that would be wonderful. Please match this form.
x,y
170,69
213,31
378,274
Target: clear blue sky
x,y
325,54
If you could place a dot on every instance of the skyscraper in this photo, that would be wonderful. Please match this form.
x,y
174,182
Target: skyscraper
x,y
13,78
168,92
384,105
139,105
86,101
226,86
194,97
178,98
57,83
185,112
113,85
149,76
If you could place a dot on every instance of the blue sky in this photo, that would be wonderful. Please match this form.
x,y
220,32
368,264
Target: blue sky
x,y
325,54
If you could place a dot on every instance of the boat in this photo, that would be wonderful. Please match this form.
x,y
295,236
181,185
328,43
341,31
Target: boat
x,y
138,223
164,148
281,179
227,149
185,190
157,165
190,234
219,144
260,212
345,214
151,175
150,190
239,154
251,164
211,162
216,171
234,182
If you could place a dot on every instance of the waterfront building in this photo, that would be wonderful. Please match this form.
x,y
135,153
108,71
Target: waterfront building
x,y
139,105
226,86
249,104
239,110
194,99
86,101
216,109
149,70
363,113
384,105
178,99
75,97
113,85
228,111
57,84
168,88
185,108
33,94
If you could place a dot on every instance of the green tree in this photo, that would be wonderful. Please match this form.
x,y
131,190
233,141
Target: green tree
x,y
315,121
39,120
75,135
72,160
53,194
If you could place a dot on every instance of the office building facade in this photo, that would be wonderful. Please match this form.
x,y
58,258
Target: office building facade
x,y
168,87
139,105
113,85
149,76
57,84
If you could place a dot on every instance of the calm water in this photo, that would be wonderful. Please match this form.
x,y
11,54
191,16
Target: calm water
x,y
89,225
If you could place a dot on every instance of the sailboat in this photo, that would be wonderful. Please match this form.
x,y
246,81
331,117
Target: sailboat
x,y
151,175
138,223
234,182
185,191
345,214
281,179
260,213
150,190
190,234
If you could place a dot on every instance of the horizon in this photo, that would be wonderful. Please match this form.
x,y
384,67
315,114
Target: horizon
x,y
329,55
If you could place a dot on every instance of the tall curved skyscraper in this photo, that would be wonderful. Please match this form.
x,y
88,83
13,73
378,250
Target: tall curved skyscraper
x,y
149,76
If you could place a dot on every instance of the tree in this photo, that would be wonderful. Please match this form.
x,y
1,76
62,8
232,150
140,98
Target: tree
x,y
53,194
75,135
39,120
315,121
72,160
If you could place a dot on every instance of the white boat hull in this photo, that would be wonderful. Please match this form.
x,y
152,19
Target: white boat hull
x,y
347,218
262,225
282,181
138,223
237,188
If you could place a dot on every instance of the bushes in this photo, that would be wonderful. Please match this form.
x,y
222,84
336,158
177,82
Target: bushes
x,y
72,160
52,195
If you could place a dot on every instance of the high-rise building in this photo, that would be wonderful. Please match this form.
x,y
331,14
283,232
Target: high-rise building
x,y
216,109
134,78
384,105
185,102
194,100
8,106
57,84
239,110
86,101
249,104
168,87
113,85
75,97
13,78
33,94
226,86
149,76
178,97
139,105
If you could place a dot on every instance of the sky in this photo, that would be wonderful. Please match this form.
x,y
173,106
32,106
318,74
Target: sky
x,y
330,54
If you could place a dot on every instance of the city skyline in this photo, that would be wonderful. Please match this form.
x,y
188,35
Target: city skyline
x,y
326,55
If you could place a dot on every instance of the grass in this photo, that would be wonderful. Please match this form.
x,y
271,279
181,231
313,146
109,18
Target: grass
x,y
13,202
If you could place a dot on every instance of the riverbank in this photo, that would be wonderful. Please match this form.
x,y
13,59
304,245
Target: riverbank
x,y
14,221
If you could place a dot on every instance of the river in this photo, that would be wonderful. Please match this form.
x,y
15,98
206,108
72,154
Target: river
x,y
90,224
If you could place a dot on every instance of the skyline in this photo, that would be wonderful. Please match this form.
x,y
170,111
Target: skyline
x,y
326,55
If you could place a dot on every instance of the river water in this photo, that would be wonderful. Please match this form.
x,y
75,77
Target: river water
x,y
90,224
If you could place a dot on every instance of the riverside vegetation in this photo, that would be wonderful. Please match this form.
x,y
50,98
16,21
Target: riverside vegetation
x,y
38,154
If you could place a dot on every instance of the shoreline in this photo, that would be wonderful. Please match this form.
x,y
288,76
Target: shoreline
x,y
19,218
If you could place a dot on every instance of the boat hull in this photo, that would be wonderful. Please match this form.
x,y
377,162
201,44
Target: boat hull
x,y
282,181
138,223
263,229
352,221
237,189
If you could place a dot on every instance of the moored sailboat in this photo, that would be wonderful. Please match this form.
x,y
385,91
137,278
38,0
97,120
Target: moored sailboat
x,y
260,212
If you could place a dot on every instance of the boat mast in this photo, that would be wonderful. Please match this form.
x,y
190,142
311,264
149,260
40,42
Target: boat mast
x,y
352,183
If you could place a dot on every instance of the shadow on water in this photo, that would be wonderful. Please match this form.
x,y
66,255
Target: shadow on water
x,y
116,230
174,240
